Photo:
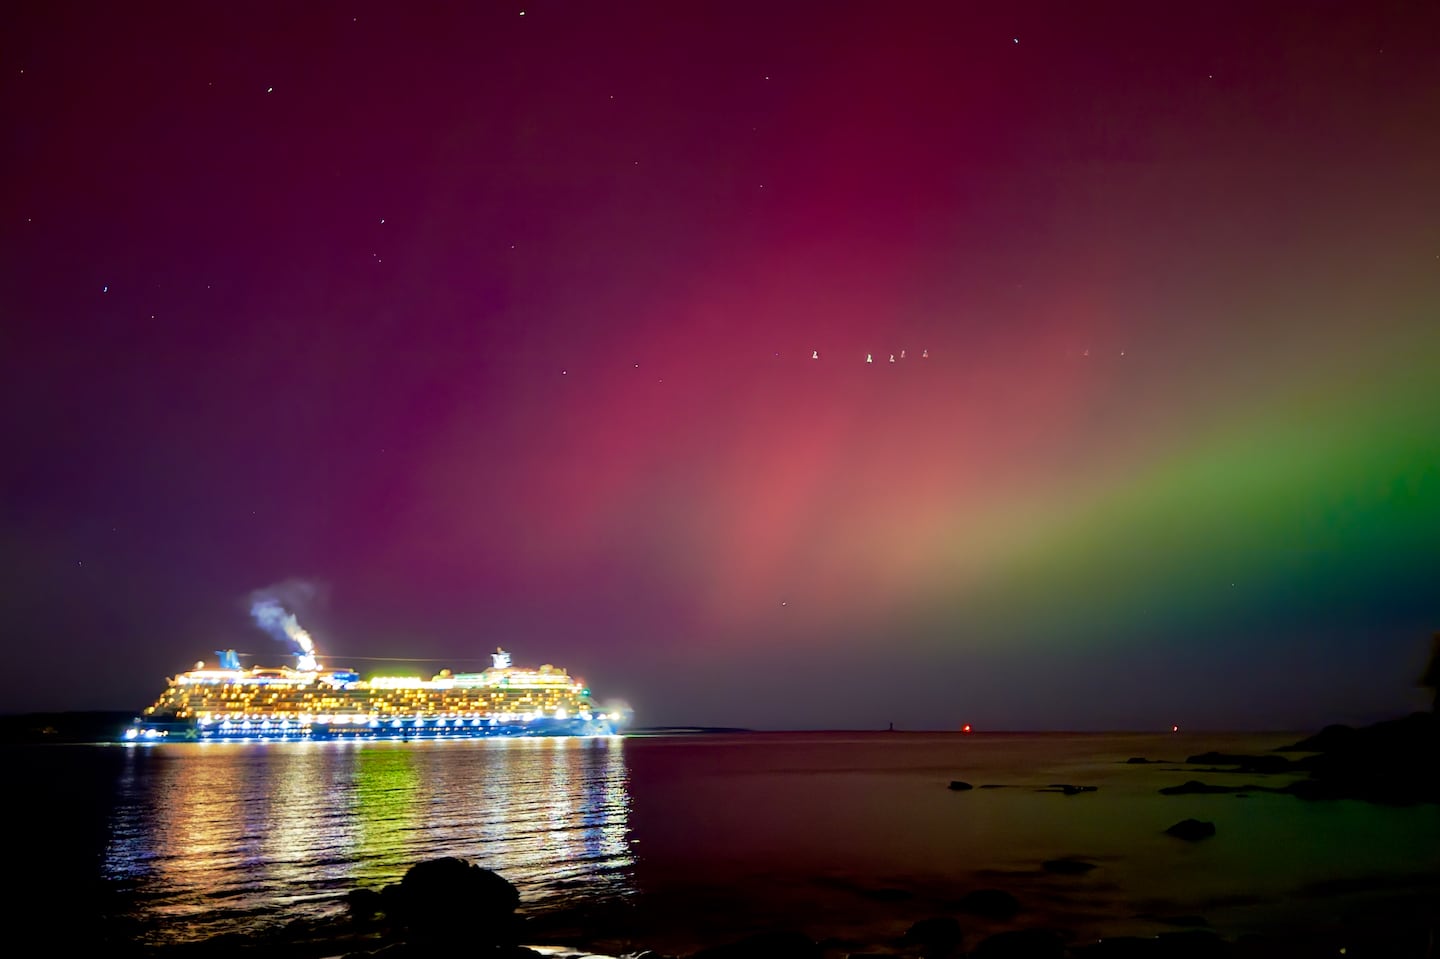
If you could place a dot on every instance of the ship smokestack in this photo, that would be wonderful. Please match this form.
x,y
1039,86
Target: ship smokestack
x,y
279,622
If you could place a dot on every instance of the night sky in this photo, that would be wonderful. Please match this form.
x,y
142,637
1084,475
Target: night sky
x,y
546,325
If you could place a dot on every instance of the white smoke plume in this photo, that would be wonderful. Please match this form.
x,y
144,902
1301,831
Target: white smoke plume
x,y
268,609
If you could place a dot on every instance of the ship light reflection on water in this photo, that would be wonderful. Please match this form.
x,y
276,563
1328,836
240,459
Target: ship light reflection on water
x,y
215,837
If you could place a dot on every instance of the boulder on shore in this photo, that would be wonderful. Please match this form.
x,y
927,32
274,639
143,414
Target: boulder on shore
x,y
449,900
364,904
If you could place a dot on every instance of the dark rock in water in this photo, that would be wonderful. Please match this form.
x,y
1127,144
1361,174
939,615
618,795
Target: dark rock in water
x,y
765,945
1067,867
1195,786
1329,739
938,934
1069,789
958,786
1191,830
364,904
1141,761
989,904
1389,762
1246,764
1021,944
451,901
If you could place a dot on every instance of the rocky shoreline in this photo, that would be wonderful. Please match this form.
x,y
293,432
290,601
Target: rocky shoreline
x,y
1392,762
449,908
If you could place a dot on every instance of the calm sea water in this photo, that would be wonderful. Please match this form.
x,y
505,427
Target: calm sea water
x,y
698,838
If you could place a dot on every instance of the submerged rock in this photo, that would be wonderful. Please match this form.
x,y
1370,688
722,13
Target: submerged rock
x,y
1244,763
1069,789
1191,830
1196,787
957,785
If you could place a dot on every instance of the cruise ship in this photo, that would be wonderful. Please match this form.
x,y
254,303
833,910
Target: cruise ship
x,y
230,702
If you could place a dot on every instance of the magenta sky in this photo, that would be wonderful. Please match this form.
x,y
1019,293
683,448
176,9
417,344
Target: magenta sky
x,y
501,327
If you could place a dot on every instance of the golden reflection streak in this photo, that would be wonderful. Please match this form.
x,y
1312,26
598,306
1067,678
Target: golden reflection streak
x,y
222,829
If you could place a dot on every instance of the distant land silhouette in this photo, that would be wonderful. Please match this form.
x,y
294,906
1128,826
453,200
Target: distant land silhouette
x,y
64,727
684,730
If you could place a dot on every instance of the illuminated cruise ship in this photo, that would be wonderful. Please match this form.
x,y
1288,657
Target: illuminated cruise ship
x,y
229,702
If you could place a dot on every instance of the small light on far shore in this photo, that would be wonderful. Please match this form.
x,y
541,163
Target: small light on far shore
x,y
1174,729
966,728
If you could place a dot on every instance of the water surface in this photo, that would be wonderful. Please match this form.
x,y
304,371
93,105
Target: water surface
x,y
701,837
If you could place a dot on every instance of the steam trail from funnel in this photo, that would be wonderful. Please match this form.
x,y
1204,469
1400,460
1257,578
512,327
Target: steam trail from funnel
x,y
282,624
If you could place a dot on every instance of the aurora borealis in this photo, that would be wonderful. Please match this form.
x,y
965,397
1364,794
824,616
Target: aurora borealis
x,y
550,331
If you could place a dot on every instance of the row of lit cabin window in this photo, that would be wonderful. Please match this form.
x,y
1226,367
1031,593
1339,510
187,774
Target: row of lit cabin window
x,y
419,697
387,706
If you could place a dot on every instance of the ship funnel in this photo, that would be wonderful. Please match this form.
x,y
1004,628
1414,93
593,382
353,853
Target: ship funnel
x,y
282,624
500,658
229,659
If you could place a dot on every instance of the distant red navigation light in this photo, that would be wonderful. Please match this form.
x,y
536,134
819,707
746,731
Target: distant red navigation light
x,y
1174,729
966,728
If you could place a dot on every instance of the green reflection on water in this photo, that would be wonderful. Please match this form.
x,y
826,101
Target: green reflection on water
x,y
384,806
217,836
